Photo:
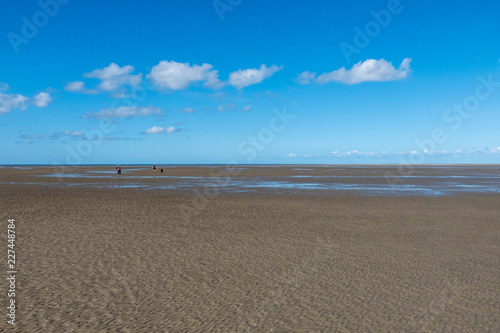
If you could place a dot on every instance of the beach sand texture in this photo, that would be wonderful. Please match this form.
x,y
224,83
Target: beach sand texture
x,y
125,259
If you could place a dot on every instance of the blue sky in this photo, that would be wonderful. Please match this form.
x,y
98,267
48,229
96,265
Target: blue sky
x,y
240,81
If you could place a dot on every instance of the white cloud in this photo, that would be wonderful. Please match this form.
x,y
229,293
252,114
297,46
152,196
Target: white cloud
x,y
114,77
487,151
175,75
73,133
246,108
355,153
15,101
433,153
187,110
12,101
246,77
169,75
368,70
455,153
161,130
124,112
57,135
79,87
42,100
4,86
305,77
292,155
75,86
213,81
495,150
358,153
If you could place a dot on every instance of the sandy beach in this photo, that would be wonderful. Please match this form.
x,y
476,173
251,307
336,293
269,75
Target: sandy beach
x,y
155,252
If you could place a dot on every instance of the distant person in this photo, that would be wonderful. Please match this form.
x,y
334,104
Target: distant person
x,y
119,170
161,170
154,167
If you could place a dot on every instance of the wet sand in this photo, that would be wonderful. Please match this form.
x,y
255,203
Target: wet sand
x,y
147,259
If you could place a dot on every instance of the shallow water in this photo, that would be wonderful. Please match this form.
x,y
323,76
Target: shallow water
x,y
371,185
356,180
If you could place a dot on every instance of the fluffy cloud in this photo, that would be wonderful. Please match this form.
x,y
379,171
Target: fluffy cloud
x,y
15,101
168,75
75,86
175,75
79,86
12,101
292,155
246,77
213,81
305,77
4,86
114,77
42,100
368,70
246,108
161,130
124,112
